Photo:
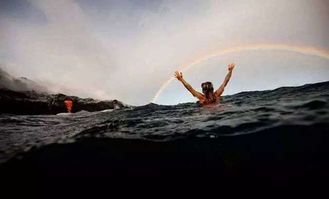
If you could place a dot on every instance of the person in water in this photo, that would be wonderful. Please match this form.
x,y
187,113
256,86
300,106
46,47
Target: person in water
x,y
208,96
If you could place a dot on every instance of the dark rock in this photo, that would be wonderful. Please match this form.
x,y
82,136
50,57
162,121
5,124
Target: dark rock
x,y
24,96
31,102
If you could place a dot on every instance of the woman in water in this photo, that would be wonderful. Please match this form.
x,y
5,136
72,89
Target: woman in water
x,y
208,96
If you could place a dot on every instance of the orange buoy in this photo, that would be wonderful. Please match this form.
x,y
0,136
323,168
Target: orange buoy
x,y
68,104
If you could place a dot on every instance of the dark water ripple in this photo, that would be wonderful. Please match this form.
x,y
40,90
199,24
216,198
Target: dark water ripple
x,y
241,114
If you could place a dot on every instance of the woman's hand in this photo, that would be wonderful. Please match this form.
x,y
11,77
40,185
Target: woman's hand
x,y
179,75
230,66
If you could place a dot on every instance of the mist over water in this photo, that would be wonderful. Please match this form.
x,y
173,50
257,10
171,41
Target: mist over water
x,y
127,49
9,82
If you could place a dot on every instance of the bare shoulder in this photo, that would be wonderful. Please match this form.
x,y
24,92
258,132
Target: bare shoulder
x,y
201,98
219,91
199,95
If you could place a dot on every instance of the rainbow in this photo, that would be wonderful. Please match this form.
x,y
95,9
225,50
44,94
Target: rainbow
x,y
306,50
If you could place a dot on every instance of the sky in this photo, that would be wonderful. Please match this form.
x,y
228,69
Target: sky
x,y
127,49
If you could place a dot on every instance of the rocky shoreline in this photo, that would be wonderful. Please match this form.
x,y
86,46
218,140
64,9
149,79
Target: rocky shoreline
x,y
31,102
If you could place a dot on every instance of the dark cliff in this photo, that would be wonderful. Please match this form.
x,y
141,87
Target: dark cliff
x,y
31,102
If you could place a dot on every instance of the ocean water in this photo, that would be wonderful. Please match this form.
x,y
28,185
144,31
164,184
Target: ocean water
x,y
274,135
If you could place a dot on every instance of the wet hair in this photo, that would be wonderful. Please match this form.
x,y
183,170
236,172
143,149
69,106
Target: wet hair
x,y
207,87
208,90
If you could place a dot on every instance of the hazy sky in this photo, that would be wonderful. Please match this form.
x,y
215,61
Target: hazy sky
x,y
126,49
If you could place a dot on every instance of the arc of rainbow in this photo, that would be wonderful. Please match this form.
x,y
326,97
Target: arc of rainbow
x,y
307,50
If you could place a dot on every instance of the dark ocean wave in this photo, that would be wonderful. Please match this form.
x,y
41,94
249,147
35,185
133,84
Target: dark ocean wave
x,y
276,133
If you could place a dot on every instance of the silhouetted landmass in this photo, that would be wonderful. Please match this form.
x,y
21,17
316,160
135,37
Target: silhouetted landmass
x,y
24,96
31,102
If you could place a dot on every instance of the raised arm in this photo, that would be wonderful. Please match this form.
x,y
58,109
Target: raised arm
x,y
220,90
195,93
